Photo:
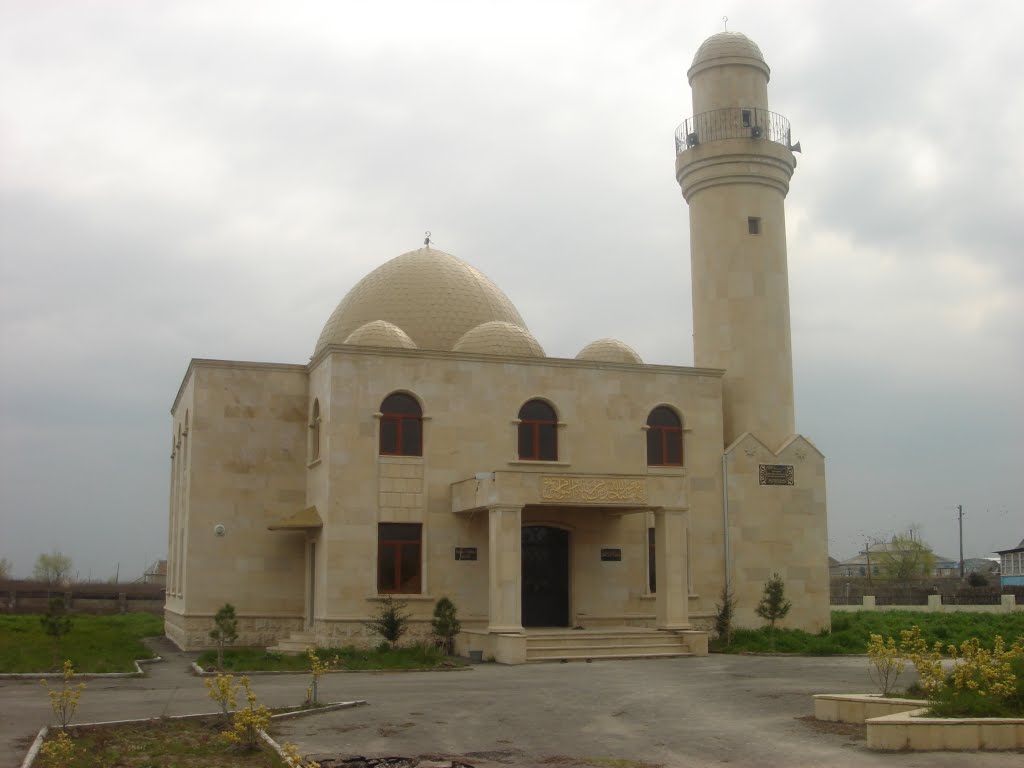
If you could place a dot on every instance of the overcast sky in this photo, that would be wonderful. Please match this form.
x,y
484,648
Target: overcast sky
x,y
208,179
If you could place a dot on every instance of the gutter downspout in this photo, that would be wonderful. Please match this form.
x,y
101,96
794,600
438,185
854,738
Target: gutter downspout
x,y
725,522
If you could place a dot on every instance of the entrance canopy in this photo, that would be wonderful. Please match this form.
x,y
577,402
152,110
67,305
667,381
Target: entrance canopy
x,y
303,520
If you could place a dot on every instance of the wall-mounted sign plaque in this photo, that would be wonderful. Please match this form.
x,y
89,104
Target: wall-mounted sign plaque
x,y
465,553
610,555
589,490
775,474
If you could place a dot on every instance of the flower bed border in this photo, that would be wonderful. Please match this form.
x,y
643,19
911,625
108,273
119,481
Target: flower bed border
x,y
33,750
906,726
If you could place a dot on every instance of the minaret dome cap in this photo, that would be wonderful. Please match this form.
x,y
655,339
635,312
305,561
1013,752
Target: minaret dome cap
x,y
728,48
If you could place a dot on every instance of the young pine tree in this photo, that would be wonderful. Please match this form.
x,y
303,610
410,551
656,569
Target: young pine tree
x,y
773,605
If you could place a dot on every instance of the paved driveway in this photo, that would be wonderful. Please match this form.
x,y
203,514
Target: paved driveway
x,y
714,711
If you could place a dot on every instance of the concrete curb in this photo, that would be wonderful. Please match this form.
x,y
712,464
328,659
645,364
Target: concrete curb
x,y
139,672
200,672
30,756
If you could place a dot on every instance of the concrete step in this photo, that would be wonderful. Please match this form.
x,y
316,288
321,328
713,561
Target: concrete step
x,y
604,656
606,641
580,648
295,643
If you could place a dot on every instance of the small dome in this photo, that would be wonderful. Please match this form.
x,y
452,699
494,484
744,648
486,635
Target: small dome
x,y
728,48
431,295
609,351
380,333
499,338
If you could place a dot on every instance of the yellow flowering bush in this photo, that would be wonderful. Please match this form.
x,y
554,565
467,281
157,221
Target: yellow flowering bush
x,y
60,750
988,673
223,690
247,722
64,700
317,667
885,661
927,660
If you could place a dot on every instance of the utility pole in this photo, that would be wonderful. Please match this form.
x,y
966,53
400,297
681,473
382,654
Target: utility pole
x,y
960,520
867,554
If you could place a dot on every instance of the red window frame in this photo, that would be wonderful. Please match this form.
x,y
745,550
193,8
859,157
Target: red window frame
x,y
393,541
531,427
659,436
400,411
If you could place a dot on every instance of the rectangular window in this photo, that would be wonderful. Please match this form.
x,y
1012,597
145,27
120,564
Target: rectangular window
x,y
754,225
652,582
746,118
399,558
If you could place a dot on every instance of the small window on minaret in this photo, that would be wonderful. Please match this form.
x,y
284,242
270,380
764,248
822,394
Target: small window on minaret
x,y
746,118
754,225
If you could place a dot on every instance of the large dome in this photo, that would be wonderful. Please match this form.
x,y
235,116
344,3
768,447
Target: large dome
x,y
728,48
432,296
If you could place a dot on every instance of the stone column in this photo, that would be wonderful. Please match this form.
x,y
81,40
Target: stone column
x,y
672,595
505,537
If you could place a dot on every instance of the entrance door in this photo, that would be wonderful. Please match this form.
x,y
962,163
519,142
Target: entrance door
x,y
545,576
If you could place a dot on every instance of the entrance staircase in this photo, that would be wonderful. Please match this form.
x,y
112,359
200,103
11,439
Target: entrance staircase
x,y
296,643
613,643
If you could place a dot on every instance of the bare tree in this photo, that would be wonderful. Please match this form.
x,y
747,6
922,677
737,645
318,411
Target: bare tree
x,y
5,568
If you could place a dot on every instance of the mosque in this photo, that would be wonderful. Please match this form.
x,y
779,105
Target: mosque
x,y
570,508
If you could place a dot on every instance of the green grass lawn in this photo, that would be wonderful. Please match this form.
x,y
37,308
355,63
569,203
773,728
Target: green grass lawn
x,y
851,631
192,742
94,644
259,660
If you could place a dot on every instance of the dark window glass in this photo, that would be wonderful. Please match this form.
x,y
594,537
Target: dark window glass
x,y
664,438
652,582
401,426
399,558
538,432
754,225
389,436
547,442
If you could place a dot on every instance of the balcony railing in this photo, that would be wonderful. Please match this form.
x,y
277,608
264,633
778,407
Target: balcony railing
x,y
733,123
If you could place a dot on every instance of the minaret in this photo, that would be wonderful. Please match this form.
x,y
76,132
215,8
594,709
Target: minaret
x,y
733,163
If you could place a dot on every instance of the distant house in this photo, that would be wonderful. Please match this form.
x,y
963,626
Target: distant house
x,y
871,558
1011,566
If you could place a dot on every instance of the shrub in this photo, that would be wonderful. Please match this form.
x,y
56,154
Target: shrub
x,y
885,663
773,605
391,621
724,612
248,721
225,630
64,701
317,668
445,625
56,623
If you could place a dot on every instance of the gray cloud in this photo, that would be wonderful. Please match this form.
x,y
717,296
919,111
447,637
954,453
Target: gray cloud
x,y
188,179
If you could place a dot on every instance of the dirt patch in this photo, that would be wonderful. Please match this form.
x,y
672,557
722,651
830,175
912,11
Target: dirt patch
x,y
857,731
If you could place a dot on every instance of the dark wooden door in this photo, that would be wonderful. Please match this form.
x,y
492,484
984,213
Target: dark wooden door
x,y
545,576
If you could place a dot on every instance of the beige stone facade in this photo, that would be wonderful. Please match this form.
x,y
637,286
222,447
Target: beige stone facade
x,y
430,448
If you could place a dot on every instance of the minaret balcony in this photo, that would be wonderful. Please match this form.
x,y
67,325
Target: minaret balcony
x,y
733,123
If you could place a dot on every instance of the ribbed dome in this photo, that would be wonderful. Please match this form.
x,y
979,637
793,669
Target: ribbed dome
x,y
609,351
499,338
380,333
728,48
431,295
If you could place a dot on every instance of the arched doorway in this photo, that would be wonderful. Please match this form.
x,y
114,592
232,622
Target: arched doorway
x,y
545,552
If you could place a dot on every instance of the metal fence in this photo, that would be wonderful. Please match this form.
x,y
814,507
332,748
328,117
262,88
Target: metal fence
x,y
733,123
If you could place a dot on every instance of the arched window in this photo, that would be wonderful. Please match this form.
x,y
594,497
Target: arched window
x,y
314,432
538,432
401,426
664,438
